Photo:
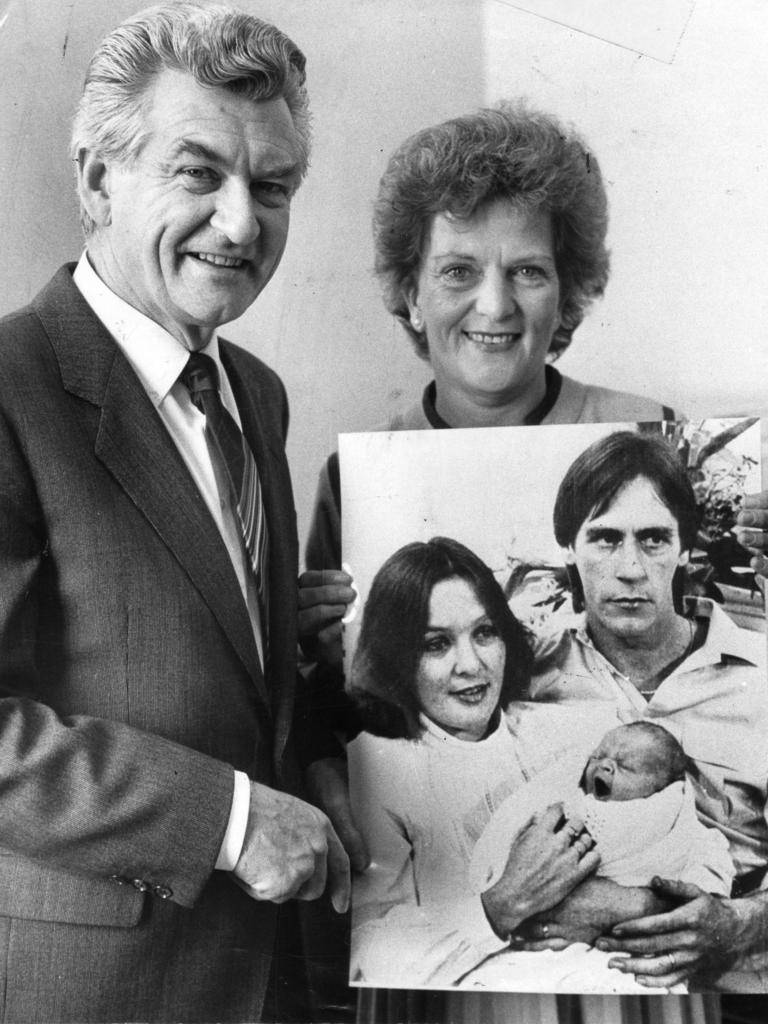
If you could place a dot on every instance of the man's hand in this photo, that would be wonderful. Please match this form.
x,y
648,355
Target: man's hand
x,y
547,859
701,937
586,913
323,599
328,787
752,533
291,851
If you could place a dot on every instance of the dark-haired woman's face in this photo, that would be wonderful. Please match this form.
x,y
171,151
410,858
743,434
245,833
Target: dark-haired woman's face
x,y
488,298
461,669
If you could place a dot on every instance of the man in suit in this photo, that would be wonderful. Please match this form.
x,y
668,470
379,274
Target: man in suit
x,y
147,609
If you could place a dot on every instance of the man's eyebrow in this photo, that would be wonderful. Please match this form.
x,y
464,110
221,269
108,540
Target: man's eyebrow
x,y
189,147
603,533
655,531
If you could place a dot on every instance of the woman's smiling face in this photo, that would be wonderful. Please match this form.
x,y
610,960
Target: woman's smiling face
x,y
461,669
487,296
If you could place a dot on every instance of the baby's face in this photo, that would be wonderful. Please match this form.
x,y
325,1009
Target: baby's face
x,y
625,765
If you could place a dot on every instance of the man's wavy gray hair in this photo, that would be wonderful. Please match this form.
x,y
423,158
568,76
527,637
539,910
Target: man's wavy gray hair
x,y
217,44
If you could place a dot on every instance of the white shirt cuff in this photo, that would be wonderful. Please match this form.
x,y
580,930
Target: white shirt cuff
x,y
232,844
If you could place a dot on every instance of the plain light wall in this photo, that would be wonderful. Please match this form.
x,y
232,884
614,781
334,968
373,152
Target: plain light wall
x,y
682,145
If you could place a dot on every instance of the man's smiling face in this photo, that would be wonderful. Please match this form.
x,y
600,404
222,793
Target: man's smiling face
x,y
197,223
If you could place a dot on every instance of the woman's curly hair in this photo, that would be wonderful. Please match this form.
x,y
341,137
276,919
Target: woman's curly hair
x,y
506,152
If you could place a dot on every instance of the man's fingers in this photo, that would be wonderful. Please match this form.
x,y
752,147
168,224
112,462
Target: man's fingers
x,y
340,813
655,925
328,787
670,922
676,889
649,945
664,970
339,881
665,981
264,891
314,887
354,845
290,849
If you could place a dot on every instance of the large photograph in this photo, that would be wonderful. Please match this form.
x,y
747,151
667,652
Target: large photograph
x,y
563,700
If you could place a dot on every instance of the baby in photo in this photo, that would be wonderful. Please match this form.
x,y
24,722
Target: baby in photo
x,y
635,801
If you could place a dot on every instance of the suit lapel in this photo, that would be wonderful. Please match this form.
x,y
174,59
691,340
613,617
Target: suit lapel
x,y
134,445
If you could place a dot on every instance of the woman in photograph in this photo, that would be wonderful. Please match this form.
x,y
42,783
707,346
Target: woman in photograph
x,y
439,655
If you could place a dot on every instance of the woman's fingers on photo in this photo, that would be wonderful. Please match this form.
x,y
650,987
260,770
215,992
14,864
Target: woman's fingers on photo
x,y
583,843
578,834
312,578
757,505
573,826
752,539
587,864
311,597
552,818
752,524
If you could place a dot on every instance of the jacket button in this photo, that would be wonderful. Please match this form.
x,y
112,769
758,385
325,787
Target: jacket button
x,y
163,892
118,879
139,885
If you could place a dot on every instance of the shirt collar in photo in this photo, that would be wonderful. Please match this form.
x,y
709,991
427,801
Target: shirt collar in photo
x,y
155,355
724,640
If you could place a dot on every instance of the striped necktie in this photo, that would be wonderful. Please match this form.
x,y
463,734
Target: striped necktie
x,y
232,456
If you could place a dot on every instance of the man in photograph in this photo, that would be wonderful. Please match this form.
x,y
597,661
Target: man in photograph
x,y
626,516
148,554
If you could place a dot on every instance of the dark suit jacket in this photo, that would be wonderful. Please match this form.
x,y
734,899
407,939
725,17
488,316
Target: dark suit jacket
x,y
130,684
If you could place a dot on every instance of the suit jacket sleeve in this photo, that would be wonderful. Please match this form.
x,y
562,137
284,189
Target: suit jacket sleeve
x,y
75,786
125,702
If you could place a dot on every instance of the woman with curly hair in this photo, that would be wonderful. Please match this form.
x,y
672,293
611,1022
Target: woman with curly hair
x,y
489,235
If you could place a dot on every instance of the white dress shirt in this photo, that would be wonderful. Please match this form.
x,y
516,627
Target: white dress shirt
x,y
158,359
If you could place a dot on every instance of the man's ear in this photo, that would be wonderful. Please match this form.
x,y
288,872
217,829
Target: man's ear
x,y
570,557
683,558
93,186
